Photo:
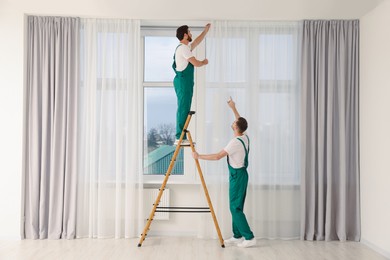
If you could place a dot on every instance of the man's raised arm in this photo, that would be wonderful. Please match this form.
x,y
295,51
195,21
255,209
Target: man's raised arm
x,y
232,105
200,38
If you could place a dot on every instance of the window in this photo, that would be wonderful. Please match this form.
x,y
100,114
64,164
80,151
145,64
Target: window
x,y
278,108
159,106
260,68
158,58
276,56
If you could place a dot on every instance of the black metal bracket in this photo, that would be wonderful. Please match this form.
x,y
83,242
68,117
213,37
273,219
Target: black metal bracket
x,y
184,209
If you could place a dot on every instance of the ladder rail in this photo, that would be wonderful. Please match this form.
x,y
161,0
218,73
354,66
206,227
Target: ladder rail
x,y
206,192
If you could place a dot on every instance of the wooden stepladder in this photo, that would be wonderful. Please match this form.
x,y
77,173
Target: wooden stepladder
x,y
162,188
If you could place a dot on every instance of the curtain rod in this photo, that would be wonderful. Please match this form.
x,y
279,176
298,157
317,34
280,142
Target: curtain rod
x,y
157,27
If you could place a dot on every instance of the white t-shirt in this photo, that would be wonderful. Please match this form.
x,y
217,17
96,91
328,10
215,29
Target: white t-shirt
x,y
182,54
236,151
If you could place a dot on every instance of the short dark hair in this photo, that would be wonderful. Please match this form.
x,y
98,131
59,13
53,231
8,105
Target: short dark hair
x,y
181,31
242,124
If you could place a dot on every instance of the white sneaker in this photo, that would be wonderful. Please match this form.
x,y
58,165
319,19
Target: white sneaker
x,y
233,240
184,142
247,243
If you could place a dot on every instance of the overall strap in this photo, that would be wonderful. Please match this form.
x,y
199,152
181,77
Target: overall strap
x,y
174,54
246,151
174,59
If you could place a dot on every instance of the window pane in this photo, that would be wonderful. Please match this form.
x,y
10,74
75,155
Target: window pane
x,y
279,138
160,123
232,67
159,53
275,127
276,57
110,61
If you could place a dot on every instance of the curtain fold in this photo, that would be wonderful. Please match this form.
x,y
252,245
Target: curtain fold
x,y
330,129
109,198
257,63
50,155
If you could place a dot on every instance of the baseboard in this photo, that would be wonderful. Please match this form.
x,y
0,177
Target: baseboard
x,y
376,248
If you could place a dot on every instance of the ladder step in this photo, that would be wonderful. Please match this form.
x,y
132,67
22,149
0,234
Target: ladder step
x,y
183,207
184,211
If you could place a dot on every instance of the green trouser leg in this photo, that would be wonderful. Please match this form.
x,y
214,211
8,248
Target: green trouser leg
x,y
184,87
238,182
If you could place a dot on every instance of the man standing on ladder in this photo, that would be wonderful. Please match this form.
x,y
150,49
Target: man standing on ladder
x,y
183,65
237,158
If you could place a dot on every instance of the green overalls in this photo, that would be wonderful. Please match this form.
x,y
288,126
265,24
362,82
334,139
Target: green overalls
x,y
238,183
184,88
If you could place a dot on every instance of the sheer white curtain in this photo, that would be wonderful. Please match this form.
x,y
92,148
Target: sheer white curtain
x,y
257,63
110,130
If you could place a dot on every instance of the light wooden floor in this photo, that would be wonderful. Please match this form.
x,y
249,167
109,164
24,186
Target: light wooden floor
x,y
187,248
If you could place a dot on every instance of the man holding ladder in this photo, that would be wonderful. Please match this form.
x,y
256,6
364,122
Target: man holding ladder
x,y
237,158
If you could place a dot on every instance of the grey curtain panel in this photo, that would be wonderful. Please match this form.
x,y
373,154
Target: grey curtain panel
x,y
50,124
330,118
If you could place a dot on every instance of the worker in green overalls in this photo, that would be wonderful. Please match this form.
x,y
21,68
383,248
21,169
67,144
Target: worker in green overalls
x,y
183,65
237,158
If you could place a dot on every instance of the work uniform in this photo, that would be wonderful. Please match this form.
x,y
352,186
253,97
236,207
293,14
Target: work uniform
x,y
237,159
184,85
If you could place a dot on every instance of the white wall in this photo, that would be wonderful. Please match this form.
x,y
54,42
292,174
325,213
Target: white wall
x,y
12,58
375,127
11,106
